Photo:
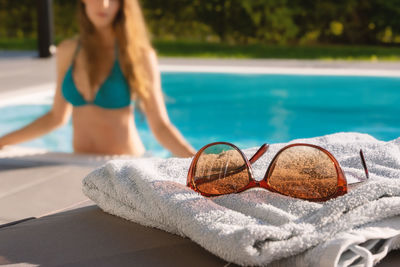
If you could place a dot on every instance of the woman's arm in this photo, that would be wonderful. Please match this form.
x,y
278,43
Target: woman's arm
x,y
57,116
157,117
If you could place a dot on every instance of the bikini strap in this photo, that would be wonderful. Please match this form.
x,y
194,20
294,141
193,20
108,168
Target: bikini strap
x,y
78,46
116,50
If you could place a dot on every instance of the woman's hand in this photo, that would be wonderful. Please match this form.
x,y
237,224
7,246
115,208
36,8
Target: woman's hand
x,y
2,145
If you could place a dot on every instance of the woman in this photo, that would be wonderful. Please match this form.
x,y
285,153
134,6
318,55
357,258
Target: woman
x,y
98,74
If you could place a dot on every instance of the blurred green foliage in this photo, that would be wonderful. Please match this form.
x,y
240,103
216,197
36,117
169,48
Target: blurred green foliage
x,y
326,52
284,22
276,21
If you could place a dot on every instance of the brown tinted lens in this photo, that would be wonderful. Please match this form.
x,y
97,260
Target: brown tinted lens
x,y
304,172
221,169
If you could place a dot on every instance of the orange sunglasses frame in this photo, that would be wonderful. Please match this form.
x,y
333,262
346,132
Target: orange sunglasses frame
x,y
341,189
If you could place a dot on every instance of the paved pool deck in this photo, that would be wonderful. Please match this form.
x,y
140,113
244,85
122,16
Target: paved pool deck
x,y
39,184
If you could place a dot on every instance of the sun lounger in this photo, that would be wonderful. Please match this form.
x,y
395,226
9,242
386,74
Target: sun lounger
x,y
87,236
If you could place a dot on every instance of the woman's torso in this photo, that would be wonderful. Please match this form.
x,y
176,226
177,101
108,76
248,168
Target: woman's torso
x,y
103,120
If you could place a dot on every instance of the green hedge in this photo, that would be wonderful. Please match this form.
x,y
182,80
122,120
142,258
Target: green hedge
x,y
281,22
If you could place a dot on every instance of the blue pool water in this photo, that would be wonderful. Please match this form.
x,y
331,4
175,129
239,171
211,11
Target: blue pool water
x,y
250,109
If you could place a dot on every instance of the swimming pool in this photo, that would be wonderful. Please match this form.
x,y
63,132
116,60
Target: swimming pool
x,y
250,109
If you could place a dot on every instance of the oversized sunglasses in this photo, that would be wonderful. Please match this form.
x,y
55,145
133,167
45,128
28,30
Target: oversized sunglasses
x,y
298,170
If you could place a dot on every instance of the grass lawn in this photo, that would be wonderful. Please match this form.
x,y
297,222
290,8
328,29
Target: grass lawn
x,y
328,52
214,50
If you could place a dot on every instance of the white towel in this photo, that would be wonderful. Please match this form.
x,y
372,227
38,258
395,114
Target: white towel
x,y
257,227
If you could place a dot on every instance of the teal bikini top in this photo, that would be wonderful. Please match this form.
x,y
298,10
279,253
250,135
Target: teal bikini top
x,y
113,93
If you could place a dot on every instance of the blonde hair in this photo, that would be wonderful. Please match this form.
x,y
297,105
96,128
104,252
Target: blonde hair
x,y
133,46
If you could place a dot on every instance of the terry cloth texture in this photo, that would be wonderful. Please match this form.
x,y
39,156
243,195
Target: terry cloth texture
x,y
258,227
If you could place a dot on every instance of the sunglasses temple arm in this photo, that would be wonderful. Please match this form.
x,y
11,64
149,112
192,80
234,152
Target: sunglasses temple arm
x,y
364,164
261,151
354,185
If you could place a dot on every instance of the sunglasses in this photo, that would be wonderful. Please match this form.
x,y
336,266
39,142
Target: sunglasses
x,y
302,171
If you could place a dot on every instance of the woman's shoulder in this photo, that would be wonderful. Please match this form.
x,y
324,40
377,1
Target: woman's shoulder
x,y
150,54
68,44
150,59
66,50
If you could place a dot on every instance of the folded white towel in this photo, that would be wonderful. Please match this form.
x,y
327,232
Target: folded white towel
x,y
257,227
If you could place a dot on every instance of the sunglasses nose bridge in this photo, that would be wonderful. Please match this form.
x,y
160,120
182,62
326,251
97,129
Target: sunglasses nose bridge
x,y
256,183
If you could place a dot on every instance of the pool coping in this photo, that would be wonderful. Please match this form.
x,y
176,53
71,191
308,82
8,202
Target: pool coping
x,y
281,70
24,157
